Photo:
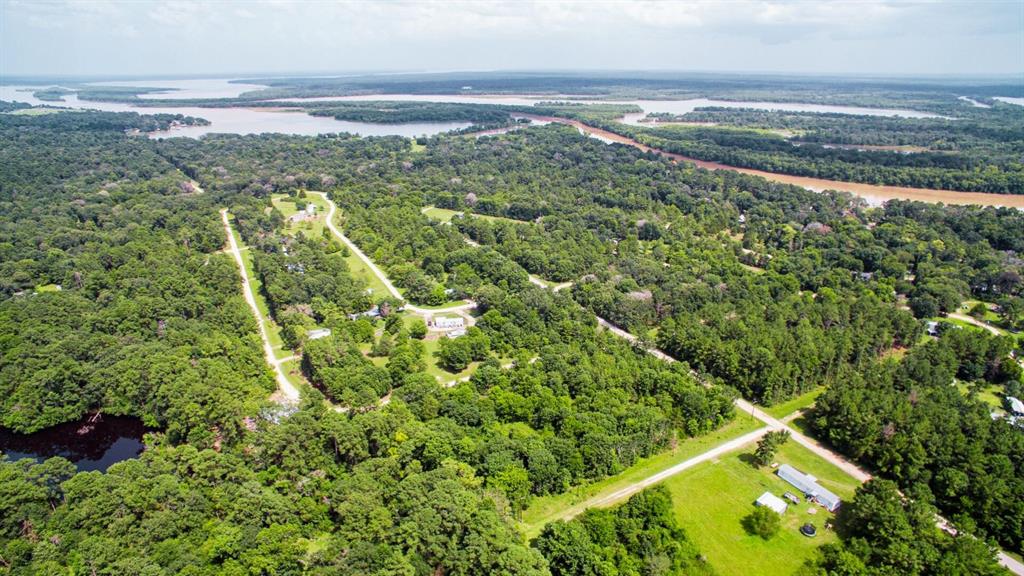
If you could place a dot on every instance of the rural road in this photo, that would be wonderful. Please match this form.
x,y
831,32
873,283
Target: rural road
x,y
771,422
380,273
618,495
288,390
975,322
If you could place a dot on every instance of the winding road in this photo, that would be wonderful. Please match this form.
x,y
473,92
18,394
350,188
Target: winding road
x,y
771,423
289,393
332,209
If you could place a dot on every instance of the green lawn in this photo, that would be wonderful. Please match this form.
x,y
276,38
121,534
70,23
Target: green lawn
x,y
712,499
313,228
360,271
445,215
293,371
792,405
438,372
545,509
990,316
48,288
991,394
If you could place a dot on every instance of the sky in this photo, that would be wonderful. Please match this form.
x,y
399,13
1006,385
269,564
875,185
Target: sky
x,y
224,37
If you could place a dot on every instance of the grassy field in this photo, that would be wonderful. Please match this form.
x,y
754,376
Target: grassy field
x,y
445,215
293,372
359,270
549,508
712,499
312,228
792,405
48,288
990,394
440,373
990,316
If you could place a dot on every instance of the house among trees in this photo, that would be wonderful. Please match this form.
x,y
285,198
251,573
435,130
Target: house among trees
x,y
318,333
772,502
809,486
371,313
449,323
1016,406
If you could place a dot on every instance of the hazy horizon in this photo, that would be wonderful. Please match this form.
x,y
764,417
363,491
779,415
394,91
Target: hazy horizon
x,y
182,38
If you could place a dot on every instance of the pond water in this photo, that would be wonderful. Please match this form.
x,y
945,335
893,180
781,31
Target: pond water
x,y
239,120
89,445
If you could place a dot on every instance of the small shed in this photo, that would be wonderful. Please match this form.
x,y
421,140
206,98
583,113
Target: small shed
x,y
772,502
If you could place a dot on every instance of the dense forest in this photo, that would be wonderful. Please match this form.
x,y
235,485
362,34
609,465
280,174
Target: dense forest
x,y
990,160
117,297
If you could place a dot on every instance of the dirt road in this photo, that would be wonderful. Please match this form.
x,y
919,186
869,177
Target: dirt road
x,y
288,391
975,322
333,208
773,423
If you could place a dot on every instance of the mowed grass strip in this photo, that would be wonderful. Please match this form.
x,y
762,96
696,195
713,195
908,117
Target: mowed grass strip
x,y
550,508
273,330
446,215
790,406
712,499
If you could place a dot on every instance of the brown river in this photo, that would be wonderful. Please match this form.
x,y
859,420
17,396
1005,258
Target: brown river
x,y
257,120
874,194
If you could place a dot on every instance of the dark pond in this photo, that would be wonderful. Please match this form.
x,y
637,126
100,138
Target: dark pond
x,y
90,445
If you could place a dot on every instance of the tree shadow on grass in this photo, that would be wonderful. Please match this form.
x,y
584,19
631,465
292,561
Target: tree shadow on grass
x,y
748,458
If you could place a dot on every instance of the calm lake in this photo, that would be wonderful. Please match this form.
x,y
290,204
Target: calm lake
x,y
236,120
90,446
648,106
284,121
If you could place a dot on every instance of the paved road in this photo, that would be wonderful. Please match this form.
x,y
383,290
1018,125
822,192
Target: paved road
x,y
380,273
288,391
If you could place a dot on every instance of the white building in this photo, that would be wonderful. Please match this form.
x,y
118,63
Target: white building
x,y
1016,406
456,333
310,210
318,333
447,323
773,502
809,486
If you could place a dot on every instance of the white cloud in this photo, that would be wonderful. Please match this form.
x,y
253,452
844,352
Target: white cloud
x,y
430,34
